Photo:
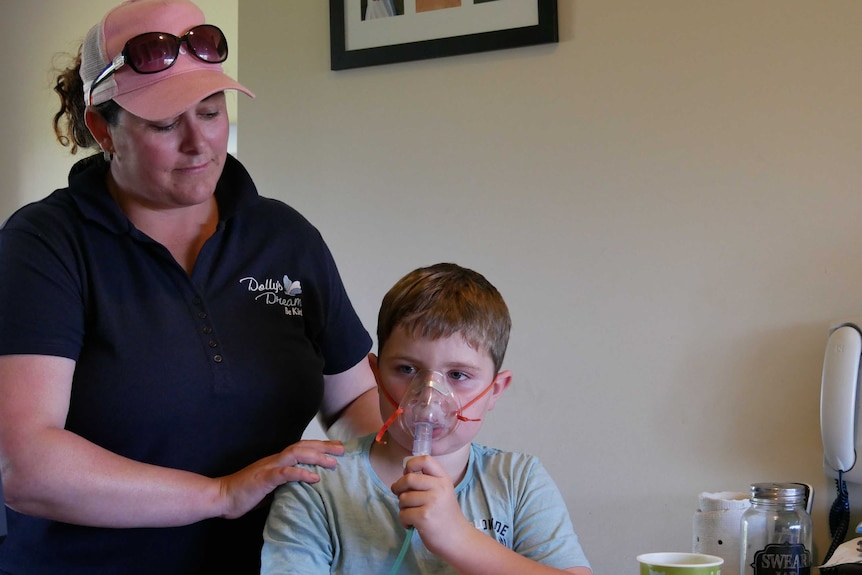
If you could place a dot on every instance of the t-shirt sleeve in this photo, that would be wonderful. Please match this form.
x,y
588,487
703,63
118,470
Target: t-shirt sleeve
x,y
296,536
343,339
543,529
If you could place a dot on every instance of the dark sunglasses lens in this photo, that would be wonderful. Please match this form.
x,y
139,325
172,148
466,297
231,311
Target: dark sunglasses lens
x,y
208,43
152,52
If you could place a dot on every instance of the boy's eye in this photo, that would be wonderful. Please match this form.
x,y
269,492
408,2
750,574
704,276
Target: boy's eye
x,y
406,369
458,375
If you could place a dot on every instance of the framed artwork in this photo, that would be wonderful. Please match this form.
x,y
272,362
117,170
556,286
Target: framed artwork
x,y
373,32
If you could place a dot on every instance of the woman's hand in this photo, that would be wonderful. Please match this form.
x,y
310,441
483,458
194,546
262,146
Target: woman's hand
x,y
247,488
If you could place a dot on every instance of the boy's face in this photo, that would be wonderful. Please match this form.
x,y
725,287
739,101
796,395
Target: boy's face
x,y
468,372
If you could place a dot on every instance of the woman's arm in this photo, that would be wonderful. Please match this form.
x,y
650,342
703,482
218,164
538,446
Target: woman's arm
x,y
351,406
53,473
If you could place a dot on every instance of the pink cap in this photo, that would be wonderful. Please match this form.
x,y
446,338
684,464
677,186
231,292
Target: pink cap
x,y
151,96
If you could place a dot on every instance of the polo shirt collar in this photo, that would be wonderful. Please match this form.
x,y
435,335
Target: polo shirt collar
x,y
88,188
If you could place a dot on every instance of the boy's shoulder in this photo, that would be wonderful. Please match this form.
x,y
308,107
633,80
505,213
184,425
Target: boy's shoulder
x,y
482,450
355,450
351,470
512,472
358,446
486,459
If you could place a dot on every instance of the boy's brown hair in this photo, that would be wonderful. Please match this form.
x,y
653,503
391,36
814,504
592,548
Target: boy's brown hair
x,y
442,300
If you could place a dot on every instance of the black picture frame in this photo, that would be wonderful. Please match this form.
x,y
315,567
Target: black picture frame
x,y
341,58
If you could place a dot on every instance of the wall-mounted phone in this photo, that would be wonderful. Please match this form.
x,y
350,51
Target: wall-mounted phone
x,y
839,401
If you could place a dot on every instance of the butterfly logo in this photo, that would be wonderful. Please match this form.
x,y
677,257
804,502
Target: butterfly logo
x,y
292,288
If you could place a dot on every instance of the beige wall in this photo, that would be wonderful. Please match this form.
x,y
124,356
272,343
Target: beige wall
x,y
668,199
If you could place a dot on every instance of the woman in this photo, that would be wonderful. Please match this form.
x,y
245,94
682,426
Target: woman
x,y
165,332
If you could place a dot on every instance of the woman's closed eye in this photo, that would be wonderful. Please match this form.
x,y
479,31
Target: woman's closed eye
x,y
165,127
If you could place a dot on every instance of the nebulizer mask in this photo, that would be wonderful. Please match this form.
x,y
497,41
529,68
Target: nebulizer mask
x,y
429,410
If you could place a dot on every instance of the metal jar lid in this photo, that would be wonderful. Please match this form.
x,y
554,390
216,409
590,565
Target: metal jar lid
x,y
781,492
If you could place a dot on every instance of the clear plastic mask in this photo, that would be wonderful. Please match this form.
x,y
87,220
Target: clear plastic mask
x,y
429,410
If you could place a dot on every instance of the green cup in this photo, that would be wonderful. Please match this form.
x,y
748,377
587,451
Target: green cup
x,y
679,564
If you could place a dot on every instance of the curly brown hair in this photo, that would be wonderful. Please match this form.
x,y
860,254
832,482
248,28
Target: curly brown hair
x,y
69,126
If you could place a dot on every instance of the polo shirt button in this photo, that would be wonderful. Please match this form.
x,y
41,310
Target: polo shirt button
x,y
213,343
218,358
202,315
208,329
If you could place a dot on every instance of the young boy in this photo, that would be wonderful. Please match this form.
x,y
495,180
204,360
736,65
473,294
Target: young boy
x,y
442,333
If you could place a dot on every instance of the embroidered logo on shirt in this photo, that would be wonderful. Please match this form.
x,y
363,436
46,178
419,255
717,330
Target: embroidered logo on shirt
x,y
294,289
284,293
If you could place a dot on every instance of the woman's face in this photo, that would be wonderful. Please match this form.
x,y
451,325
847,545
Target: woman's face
x,y
174,162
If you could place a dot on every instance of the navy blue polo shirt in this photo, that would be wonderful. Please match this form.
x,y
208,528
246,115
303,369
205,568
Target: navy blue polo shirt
x,y
207,372
2,512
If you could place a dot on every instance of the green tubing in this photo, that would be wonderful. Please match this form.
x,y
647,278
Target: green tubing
x,y
404,547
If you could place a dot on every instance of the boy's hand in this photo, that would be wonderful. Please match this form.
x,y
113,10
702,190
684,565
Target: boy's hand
x,y
427,498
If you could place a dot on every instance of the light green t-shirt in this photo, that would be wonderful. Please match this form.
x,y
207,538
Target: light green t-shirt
x,y
347,523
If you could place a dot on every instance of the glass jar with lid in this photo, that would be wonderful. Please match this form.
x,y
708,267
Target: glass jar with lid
x,y
775,532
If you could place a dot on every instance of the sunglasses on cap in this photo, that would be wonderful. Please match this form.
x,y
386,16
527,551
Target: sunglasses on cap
x,y
155,52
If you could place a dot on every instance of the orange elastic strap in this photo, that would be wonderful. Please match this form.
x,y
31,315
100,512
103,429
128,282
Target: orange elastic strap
x,y
399,411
